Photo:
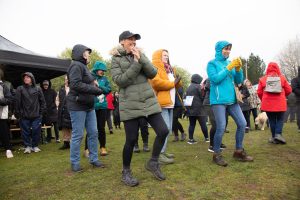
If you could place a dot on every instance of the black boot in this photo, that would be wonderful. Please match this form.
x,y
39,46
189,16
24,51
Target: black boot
x,y
146,148
66,145
128,179
154,168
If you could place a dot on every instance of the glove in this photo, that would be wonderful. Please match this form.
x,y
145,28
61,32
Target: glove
x,y
235,63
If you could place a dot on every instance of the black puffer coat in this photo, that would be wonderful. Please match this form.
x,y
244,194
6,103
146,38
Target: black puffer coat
x,y
50,98
296,86
64,119
195,90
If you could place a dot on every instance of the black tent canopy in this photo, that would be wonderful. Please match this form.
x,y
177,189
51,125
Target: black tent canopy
x,y
16,60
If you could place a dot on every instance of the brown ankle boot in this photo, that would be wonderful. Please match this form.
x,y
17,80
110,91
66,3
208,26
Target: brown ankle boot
x,y
218,159
241,155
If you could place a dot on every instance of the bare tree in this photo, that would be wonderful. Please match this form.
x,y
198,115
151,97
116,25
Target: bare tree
x,y
289,58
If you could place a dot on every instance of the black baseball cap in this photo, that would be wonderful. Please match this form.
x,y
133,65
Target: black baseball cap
x,y
128,34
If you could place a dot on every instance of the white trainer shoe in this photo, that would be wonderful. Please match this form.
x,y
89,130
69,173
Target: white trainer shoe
x,y
9,154
27,150
36,149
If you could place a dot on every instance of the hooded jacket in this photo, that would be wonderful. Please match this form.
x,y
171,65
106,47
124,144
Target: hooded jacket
x,y
273,102
221,79
136,97
100,102
195,90
296,86
161,83
81,82
50,98
30,101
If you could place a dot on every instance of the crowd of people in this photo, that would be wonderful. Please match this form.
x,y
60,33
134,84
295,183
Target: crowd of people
x,y
150,94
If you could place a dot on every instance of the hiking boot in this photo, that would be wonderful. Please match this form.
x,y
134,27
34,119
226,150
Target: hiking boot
x,y
278,138
272,141
36,149
223,146
66,145
183,137
192,141
9,154
76,168
128,179
103,151
218,159
210,149
27,150
97,164
241,155
146,148
176,139
165,160
169,155
154,168
136,149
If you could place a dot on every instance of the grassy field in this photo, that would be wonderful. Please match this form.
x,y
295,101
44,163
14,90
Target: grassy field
x,y
274,174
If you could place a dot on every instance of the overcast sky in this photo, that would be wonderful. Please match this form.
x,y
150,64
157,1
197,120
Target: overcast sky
x,y
189,29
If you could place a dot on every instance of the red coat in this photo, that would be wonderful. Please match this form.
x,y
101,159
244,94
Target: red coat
x,y
273,102
110,99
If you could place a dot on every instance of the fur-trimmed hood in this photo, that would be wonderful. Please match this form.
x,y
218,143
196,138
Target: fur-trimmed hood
x,y
120,51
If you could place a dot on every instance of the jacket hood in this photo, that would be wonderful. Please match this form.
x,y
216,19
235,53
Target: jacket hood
x,y
219,46
29,74
99,65
156,59
196,78
49,87
77,53
273,69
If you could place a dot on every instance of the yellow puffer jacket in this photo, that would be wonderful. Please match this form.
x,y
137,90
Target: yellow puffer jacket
x,y
160,82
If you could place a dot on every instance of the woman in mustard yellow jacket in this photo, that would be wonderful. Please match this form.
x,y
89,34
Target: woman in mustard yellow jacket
x,y
164,84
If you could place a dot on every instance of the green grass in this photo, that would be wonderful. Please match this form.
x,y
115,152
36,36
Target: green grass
x,y
274,174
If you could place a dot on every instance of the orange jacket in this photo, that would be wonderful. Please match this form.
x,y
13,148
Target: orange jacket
x,y
161,83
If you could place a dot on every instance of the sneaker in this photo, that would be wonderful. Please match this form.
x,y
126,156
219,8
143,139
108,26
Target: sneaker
x,y
36,149
86,153
241,155
210,149
192,141
103,151
111,131
183,137
58,141
223,146
272,141
169,155
27,150
154,168
207,140
218,159
76,168
164,160
97,164
247,130
176,139
278,138
146,148
9,154
128,179
136,149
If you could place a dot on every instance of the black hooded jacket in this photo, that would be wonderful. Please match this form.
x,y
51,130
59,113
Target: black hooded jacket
x,y
195,90
296,86
81,82
50,98
30,101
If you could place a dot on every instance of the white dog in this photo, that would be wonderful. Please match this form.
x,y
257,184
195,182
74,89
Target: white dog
x,y
261,120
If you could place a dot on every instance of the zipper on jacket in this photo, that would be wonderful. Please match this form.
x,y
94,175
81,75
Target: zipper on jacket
x,y
218,93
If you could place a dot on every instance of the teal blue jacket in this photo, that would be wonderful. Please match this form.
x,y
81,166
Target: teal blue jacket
x,y
222,87
100,102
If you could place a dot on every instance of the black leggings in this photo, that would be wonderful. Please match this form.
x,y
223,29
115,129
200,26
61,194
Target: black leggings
x,y
5,134
132,131
177,113
202,122
246,114
143,125
56,131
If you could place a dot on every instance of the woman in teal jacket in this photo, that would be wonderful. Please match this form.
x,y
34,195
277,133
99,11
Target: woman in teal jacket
x,y
223,74
100,104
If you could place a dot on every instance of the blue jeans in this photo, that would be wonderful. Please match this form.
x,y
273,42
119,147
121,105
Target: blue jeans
x,y
167,114
276,122
31,131
220,116
81,119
